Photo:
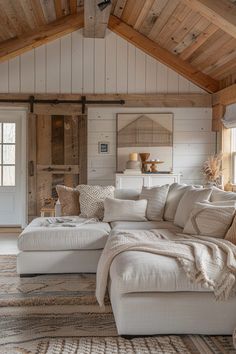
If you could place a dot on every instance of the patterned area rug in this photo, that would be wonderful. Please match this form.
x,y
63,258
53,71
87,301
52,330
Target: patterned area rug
x,y
58,314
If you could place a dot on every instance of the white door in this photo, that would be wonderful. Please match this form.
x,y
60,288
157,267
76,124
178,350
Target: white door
x,y
12,168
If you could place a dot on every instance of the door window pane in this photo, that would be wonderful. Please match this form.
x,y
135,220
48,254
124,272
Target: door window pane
x,y
8,176
9,133
8,154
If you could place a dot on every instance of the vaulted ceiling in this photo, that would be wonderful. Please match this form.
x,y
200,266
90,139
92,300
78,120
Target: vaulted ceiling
x,y
197,38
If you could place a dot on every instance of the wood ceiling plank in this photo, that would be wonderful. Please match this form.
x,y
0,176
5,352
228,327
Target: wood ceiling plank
x,y
73,6
16,46
58,8
29,13
15,16
95,20
48,10
38,12
224,70
152,16
212,69
119,8
132,10
221,13
161,54
175,21
198,41
163,18
143,13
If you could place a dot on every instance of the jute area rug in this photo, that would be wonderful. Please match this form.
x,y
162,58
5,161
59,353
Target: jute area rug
x,y
58,314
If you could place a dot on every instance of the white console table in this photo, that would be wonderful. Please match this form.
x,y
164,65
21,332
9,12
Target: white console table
x,y
145,179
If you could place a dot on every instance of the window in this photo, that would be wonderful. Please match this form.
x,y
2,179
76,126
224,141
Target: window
x,y
7,154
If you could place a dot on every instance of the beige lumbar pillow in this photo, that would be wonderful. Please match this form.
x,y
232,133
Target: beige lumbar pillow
x,y
231,233
156,197
124,210
69,200
176,192
92,200
187,203
207,219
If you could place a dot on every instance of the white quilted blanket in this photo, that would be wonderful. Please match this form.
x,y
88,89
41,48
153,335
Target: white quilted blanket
x,y
206,260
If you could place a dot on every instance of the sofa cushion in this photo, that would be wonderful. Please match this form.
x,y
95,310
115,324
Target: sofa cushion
x,y
39,237
135,272
176,192
156,197
145,225
127,194
129,210
231,233
69,200
218,195
211,220
187,202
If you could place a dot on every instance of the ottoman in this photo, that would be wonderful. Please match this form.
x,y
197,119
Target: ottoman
x,y
61,245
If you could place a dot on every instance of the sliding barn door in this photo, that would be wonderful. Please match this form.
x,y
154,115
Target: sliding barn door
x,y
57,155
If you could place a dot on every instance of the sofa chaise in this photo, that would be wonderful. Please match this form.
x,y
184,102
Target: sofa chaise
x,y
150,294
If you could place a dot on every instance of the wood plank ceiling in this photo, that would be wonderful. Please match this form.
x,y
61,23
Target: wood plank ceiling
x,y
179,26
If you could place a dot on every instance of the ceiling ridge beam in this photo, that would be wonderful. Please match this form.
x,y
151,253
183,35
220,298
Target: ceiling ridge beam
x,y
47,33
163,55
221,13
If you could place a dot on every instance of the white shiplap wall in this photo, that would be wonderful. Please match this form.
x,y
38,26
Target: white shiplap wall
x,y
73,64
193,141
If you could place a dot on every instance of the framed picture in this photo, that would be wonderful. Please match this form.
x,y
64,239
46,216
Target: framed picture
x,y
103,147
150,133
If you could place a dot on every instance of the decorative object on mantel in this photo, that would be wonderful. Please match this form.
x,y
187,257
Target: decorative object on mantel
x,y
144,156
212,170
133,166
153,167
103,147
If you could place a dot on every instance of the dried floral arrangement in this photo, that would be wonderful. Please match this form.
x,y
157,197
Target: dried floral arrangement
x,y
212,169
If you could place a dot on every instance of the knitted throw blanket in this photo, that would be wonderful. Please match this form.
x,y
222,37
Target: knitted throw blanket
x,y
205,260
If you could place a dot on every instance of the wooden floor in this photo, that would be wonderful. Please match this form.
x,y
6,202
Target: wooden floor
x,y
8,242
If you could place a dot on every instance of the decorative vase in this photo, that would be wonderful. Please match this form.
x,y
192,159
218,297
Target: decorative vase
x,y
144,156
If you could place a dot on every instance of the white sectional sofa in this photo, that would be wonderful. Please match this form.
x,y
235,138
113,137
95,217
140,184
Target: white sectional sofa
x,y
150,294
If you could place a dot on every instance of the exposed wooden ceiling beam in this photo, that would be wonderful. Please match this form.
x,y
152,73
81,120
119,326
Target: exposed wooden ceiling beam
x,y
226,96
220,12
95,20
16,46
153,49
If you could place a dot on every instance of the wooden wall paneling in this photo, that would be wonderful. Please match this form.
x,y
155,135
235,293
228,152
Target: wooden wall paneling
x,y
14,75
71,148
151,74
77,62
172,81
111,51
99,66
162,75
53,67
88,67
83,146
4,77
140,74
65,64
122,65
27,61
44,154
131,68
32,158
40,69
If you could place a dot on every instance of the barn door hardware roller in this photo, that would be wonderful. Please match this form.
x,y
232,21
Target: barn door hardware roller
x,y
83,101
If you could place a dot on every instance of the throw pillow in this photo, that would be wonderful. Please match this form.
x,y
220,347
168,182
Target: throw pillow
x,y
69,200
156,197
187,202
124,210
207,219
176,192
219,195
92,200
231,233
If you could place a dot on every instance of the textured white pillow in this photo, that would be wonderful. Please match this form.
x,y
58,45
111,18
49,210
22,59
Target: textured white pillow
x,y
156,197
124,210
92,200
207,219
176,192
219,195
187,202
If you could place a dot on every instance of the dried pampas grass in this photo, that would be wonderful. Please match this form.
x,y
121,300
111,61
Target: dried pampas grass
x,y
212,169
